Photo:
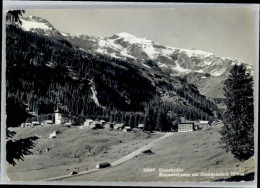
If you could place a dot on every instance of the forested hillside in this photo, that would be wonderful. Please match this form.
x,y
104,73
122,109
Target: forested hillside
x,y
42,72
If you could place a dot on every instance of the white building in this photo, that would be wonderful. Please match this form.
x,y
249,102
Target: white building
x,y
103,122
58,116
141,126
186,126
88,122
127,129
35,123
119,126
204,123
47,122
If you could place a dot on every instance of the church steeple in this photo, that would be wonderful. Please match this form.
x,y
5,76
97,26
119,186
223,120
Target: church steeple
x,y
58,117
57,109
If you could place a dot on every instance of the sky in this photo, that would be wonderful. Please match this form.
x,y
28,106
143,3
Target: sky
x,y
226,32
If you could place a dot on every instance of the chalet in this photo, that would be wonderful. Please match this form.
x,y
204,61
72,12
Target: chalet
x,y
95,125
109,126
92,126
47,122
127,129
53,135
141,126
196,125
204,123
35,123
119,126
102,122
186,126
33,113
88,122
26,125
68,123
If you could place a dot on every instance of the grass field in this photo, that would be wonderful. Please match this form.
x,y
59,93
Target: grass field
x,y
74,149
192,152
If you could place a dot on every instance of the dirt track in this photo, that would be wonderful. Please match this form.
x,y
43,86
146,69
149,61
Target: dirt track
x,y
118,162
70,151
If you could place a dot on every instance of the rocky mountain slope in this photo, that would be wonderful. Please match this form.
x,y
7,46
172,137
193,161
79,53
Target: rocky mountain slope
x,y
200,68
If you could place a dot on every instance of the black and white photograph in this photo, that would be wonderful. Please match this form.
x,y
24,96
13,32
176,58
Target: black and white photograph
x,y
162,95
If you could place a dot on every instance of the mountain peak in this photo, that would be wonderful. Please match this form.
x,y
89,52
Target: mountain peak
x,y
125,35
38,25
131,38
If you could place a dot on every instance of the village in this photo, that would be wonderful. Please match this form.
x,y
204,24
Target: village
x,y
65,151
183,126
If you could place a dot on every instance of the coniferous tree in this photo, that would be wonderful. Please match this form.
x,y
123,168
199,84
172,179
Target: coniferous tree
x,y
238,130
159,121
14,16
148,118
16,149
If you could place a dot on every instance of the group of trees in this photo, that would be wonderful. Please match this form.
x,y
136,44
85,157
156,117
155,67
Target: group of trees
x,y
16,149
116,89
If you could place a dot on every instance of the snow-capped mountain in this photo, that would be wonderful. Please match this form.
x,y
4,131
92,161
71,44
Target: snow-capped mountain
x,y
39,25
176,61
206,70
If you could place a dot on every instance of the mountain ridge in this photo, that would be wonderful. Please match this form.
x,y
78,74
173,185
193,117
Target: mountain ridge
x,y
205,66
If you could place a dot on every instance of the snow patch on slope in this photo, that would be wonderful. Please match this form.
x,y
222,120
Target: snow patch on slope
x,y
131,38
94,93
191,53
145,44
28,25
217,72
150,51
162,65
146,66
65,34
181,70
104,43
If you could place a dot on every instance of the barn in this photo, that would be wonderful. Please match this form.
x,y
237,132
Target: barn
x,y
119,126
102,122
88,122
95,125
127,129
204,123
26,125
109,126
47,122
141,126
35,123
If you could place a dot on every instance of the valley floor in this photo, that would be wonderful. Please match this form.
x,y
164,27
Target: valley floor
x,y
74,149
190,152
